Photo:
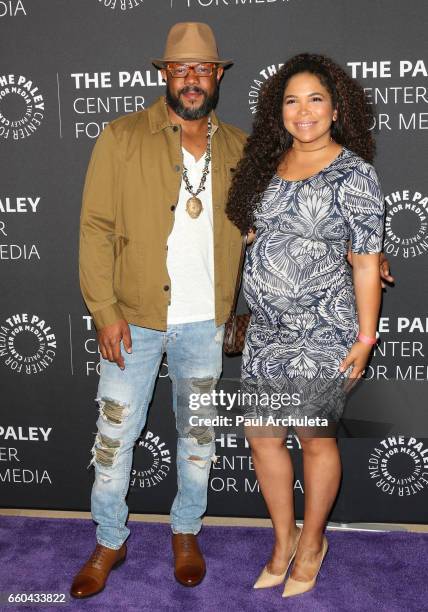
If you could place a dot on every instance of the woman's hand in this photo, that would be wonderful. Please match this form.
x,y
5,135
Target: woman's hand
x,y
357,358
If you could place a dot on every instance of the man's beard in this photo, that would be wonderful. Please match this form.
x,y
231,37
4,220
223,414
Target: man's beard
x,y
188,113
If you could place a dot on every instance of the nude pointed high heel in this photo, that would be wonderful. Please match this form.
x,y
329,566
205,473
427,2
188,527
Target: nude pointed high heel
x,y
267,580
297,587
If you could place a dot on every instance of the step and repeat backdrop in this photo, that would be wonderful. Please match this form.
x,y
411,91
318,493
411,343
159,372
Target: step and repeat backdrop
x,y
67,68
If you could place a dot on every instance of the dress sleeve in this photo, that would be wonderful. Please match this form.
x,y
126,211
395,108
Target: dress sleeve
x,y
363,207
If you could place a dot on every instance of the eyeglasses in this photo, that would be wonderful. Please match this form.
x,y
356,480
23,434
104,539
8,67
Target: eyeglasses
x,y
180,71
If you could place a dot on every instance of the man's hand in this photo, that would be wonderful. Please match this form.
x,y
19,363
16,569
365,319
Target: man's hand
x,y
384,271
385,275
109,338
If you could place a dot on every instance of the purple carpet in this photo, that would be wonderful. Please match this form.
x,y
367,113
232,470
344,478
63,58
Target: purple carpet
x,y
382,572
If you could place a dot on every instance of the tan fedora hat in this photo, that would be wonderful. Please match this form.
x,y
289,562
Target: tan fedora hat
x,y
190,42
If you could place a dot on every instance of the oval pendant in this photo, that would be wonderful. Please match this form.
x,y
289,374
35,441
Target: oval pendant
x,y
194,207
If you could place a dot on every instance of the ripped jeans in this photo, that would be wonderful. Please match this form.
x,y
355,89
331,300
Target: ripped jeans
x,y
194,363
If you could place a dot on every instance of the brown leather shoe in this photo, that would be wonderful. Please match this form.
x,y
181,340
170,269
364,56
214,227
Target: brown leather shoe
x,y
189,563
92,578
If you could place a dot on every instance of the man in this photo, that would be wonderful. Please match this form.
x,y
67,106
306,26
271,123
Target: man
x,y
158,264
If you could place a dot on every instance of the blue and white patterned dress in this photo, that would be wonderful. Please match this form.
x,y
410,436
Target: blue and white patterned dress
x,y
298,284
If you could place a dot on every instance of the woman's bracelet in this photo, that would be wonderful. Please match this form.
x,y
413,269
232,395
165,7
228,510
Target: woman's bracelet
x,y
366,339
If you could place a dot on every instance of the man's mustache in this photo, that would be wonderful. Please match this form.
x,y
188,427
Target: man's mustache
x,y
191,89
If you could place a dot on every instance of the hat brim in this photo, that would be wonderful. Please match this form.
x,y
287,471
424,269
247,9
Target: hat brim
x,y
161,62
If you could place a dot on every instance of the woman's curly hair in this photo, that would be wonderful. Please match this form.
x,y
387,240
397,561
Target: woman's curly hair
x,y
269,139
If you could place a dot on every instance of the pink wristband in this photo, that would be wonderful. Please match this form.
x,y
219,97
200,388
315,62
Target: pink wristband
x,y
366,339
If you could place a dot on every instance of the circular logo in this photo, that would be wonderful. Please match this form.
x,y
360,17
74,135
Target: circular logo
x,y
22,107
399,466
406,224
152,462
257,83
27,343
121,5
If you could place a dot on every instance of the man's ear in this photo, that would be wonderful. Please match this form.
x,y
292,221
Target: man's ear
x,y
163,73
220,72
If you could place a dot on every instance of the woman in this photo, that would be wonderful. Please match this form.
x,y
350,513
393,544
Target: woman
x,y
305,188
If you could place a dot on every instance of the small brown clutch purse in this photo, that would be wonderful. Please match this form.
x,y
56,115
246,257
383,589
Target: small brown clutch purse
x,y
236,326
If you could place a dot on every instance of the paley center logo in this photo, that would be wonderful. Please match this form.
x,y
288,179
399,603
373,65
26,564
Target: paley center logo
x,y
399,466
95,106
27,343
152,462
120,5
406,224
257,84
13,468
22,107
9,207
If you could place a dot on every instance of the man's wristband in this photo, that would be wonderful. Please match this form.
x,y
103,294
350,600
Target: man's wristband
x,y
366,339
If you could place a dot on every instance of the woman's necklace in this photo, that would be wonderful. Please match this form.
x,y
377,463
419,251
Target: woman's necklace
x,y
194,205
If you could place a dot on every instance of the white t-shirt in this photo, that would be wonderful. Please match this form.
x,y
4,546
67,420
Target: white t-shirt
x,y
190,258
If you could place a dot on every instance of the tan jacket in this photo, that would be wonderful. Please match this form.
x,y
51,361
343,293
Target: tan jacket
x,y
131,190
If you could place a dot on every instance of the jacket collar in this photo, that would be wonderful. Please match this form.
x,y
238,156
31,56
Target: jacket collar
x,y
159,118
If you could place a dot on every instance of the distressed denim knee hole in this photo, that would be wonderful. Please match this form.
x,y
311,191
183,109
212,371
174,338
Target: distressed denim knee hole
x,y
112,411
105,450
203,385
200,461
202,435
